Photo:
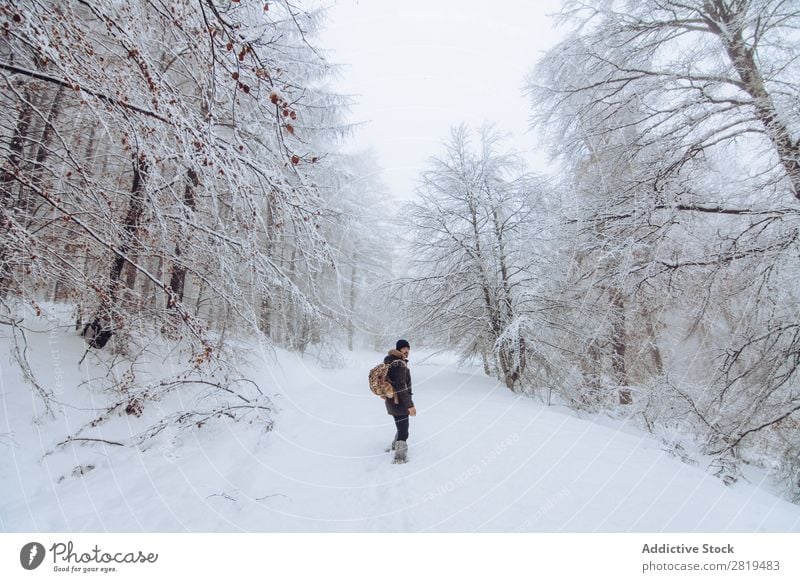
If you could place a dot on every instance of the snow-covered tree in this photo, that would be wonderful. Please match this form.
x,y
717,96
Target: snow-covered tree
x,y
161,170
688,111
471,256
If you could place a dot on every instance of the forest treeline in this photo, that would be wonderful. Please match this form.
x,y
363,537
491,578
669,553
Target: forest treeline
x,y
655,273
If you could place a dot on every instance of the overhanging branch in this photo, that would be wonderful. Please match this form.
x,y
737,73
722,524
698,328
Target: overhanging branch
x,y
77,87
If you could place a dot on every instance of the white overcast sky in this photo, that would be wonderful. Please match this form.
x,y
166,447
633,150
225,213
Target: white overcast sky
x,y
416,68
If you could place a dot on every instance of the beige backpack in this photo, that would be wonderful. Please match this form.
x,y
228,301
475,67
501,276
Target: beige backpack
x,y
379,383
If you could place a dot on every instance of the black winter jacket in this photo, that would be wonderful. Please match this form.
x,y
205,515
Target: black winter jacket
x,y
400,378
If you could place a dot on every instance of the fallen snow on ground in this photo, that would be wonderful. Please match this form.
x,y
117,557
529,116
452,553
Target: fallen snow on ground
x,y
480,459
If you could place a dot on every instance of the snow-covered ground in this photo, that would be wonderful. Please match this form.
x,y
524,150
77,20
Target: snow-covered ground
x,y
480,459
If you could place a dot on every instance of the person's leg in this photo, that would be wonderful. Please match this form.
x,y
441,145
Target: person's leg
x,y
401,422
401,447
392,447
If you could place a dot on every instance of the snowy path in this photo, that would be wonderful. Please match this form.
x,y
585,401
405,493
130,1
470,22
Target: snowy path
x,y
481,459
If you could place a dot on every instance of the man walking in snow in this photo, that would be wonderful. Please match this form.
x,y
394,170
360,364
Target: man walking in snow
x,y
400,378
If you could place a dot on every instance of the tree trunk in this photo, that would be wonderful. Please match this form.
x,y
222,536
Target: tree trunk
x,y
265,316
47,136
11,169
655,352
517,365
177,280
743,59
591,366
153,294
267,301
492,309
486,368
100,330
350,322
618,345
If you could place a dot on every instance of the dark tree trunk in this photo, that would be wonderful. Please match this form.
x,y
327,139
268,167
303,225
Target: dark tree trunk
x,y
101,328
177,281
47,136
12,167
265,319
744,61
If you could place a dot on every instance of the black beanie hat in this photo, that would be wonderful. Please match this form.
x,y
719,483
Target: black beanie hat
x,y
402,344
